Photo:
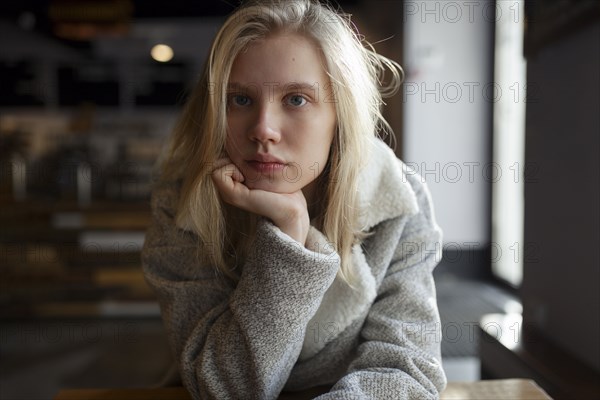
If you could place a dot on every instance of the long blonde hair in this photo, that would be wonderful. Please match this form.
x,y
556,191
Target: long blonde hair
x,y
356,73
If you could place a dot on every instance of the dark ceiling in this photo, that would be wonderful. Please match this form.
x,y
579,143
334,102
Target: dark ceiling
x,y
141,8
39,11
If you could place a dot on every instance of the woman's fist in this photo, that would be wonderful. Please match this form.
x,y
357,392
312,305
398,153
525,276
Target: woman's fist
x,y
287,210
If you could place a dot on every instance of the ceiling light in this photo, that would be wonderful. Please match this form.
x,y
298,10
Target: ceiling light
x,y
162,53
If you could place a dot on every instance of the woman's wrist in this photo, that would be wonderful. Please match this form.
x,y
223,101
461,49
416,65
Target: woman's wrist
x,y
295,226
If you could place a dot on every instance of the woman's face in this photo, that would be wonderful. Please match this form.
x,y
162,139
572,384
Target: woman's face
x,y
280,114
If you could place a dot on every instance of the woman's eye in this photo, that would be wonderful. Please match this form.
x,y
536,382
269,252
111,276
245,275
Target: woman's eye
x,y
240,100
296,100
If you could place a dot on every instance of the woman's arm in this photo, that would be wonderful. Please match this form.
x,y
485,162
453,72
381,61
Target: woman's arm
x,y
399,357
242,342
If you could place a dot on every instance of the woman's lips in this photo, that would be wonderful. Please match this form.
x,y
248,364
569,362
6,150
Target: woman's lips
x,y
266,167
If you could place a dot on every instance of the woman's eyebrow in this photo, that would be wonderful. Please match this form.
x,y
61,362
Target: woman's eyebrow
x,y
273,86
297,86
239,86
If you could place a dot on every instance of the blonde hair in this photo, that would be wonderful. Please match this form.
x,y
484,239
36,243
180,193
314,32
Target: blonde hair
x,y
356,73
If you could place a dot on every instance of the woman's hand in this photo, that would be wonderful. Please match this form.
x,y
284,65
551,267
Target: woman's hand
x,y
287,210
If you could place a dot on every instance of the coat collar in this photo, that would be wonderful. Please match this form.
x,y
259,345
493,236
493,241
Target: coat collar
x,y
384,190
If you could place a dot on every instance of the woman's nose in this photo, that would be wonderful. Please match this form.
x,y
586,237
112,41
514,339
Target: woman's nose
x,y
265,126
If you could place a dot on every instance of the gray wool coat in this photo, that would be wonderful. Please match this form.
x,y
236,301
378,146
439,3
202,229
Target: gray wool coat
x,y
291,323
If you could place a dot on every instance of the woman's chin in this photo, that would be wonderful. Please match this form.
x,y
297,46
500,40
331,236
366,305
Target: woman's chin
x,y
271,186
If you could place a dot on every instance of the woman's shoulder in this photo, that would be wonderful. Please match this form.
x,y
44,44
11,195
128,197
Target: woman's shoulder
x,y
165,196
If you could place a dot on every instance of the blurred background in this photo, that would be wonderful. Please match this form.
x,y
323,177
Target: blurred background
x,y
499,113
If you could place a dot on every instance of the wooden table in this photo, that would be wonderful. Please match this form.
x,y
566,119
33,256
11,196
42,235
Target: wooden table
x,y
513,389
509,389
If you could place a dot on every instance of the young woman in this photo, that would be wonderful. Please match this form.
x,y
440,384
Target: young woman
x,y
289,248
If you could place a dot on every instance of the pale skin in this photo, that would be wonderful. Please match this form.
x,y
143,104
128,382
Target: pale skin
x,y
280,124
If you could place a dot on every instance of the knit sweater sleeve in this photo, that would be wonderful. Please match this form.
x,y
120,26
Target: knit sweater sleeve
x,y
399,354
234,341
